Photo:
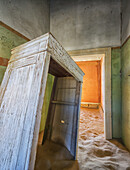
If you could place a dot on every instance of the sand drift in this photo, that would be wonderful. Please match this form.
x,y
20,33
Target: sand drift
x,y
94,151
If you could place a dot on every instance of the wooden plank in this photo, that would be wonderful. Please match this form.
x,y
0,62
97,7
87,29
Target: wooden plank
x,y
39,109
62,126
48,43
16,105
21,98
56,70
63,103
63,58
77,119
13,118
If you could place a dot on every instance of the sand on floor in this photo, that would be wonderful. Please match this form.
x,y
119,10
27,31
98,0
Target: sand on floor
x,y
94,152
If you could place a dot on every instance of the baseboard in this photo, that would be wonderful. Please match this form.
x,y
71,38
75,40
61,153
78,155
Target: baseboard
x,y
90,105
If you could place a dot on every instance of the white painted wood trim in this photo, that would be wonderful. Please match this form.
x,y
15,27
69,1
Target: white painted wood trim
x,y
107,53
35,56
78,122
108,115
38,117
48,43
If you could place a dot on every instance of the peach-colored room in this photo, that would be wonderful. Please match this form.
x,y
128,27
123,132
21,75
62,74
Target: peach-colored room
x,y
91,89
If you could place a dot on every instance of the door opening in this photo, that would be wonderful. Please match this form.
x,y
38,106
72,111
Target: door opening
x,y
104,55
92,114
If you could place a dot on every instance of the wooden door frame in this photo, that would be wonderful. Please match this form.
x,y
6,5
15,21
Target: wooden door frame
x,y
106,52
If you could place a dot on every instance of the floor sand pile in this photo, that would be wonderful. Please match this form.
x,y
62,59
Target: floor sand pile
x,y
94,152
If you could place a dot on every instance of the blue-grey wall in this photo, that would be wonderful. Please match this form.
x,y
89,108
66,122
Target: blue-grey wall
x,y
29,17
84,24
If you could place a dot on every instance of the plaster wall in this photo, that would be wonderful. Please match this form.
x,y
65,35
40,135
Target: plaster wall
x,y
45,107
29,17
125,59
125,19
91,88
77,24
116,92
8,40
125,64
84,24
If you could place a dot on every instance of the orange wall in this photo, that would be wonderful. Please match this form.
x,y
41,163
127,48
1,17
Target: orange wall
x,y
91,91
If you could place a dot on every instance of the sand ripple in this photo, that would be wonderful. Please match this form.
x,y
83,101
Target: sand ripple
x,y
94,151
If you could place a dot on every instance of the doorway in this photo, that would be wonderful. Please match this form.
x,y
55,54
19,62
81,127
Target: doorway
x,y
103,54
91,114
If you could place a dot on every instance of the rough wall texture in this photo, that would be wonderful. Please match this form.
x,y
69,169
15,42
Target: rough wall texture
x,y
125,19
8,40
49,85
126,93
29,17
77,24
91,88
84,24
116,92
2,71
125,63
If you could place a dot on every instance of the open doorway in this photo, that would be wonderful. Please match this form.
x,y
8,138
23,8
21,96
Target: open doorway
x,y
94,151
92,114
103,54
95,115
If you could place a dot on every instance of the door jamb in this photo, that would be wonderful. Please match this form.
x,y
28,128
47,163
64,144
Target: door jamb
x,y
107,108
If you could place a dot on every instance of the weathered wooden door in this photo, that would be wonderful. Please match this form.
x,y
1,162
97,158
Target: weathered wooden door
x,y
19,106
22,95
65,113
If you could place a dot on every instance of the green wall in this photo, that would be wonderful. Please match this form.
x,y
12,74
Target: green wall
x,y
49,85
125,61
116,92
2,71
121,93
120,58
8,40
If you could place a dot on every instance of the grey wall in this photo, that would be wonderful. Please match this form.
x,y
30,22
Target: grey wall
x,y
84,24
29,17
125,19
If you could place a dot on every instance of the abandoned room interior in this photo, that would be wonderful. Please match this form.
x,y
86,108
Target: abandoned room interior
x,y
65,84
